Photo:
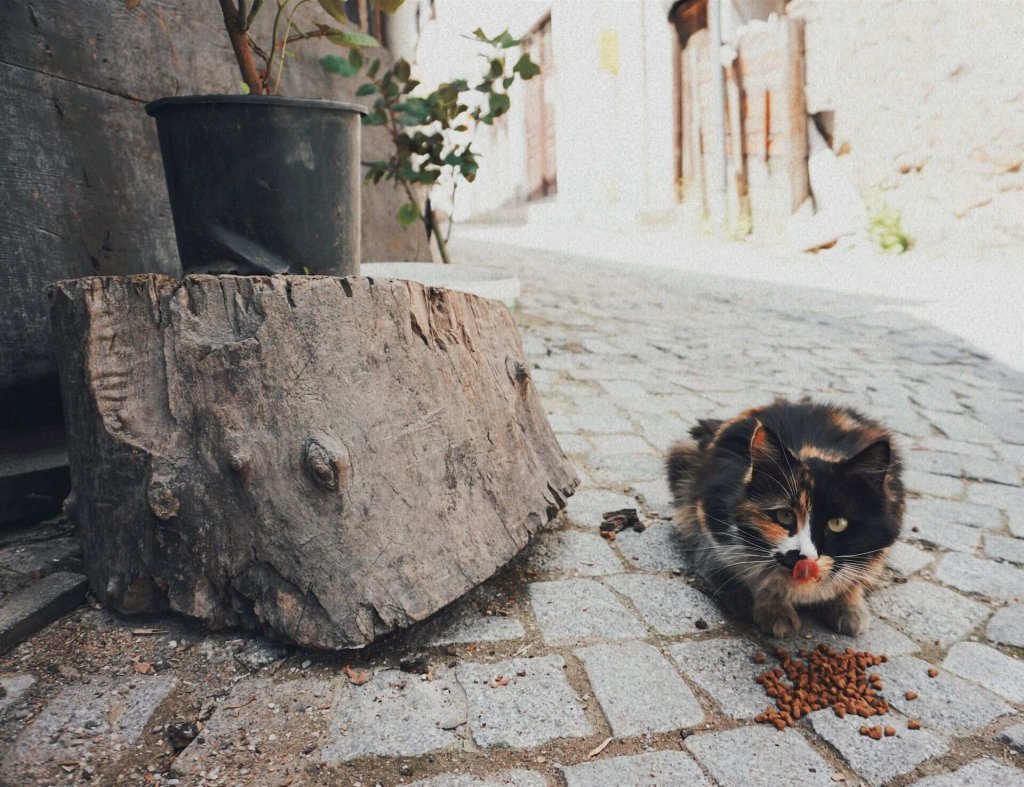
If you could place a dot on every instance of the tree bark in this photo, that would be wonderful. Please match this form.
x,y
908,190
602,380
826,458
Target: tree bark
x,y
322,459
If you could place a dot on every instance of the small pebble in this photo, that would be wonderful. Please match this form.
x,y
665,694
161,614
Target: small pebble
x,y
913,724
932,672
911,695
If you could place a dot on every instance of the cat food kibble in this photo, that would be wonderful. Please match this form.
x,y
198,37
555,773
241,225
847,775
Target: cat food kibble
x,y
822,678
932,672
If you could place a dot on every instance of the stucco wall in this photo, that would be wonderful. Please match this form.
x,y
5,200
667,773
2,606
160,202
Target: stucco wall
x,y
928,102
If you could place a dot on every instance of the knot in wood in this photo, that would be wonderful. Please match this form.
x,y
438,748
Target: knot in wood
x,y
517,371
323,463
161,499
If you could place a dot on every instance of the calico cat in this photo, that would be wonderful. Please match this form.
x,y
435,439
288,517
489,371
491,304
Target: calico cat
x,y
796,502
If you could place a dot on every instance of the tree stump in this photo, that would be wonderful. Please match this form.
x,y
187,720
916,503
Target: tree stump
x,y
323,459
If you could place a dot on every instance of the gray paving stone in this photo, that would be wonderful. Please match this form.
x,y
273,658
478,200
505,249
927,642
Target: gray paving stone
x,y
658,548
988,667
1013,736
1004,548
759,756
879,638
983,772
531,709
991,470
667,604
905,559
638,690
627,469
620,444
38,605
974,575
576,611
725,669
653,769
1007,626
295,711
945,702
14,687
474,627
881,760
516,778
1007,499
587,505
573,553
931,484
93,721
656,496
930,509
929,613
960,538
395,714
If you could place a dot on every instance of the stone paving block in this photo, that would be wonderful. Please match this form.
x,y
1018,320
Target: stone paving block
x,y
627,469
84,722
931,509
658,548
905,559
1007,626
653,769
395,714
725,669
1004,548
931,484
474,627
988,667
606,444
529,710
38,605
760,756
977,468
879,638
1007,499
881,760
983,772
960,538
573,553
667,604
928,612
1013,736
656,496
296,712
638,690
14,687
974,575
587,505
574,611
516,778
944,702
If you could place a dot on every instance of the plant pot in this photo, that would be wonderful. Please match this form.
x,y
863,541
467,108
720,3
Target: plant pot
x,y
262,184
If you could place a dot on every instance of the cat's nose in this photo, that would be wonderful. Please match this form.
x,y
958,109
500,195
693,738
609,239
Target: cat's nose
x,y
788,559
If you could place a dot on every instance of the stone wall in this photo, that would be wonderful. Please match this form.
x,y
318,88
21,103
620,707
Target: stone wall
x,y
928,104
81,179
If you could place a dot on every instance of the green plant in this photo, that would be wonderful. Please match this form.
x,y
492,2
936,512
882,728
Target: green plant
x,y
334,27
432,131
885,226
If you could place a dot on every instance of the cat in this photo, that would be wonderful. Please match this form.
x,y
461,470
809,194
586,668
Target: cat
x,y
796,502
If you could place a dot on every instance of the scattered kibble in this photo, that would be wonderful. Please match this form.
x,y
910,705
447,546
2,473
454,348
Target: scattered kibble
x,y
932,672
913,724
890,731
822,678
911,695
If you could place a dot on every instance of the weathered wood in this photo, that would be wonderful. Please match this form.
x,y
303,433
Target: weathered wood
x,y
324,459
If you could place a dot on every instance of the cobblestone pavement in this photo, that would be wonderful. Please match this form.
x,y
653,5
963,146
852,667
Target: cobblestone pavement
x,y
586,663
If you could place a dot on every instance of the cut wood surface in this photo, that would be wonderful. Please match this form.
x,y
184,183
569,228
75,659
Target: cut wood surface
x,y
323,459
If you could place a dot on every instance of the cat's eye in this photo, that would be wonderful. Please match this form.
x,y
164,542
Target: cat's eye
x,y
784,516
838,524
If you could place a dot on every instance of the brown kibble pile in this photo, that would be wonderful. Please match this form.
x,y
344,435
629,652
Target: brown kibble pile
x,y
823,678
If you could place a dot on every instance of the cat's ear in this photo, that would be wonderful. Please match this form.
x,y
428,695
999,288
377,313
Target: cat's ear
x,y
765,446
871,464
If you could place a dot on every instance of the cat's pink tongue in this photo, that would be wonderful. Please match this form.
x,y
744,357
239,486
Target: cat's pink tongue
x,y
806,570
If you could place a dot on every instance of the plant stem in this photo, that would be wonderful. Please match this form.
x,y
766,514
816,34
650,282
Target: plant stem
x,y
284,44
240,45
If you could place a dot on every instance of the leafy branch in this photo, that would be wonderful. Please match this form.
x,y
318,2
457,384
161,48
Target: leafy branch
x,y
432,131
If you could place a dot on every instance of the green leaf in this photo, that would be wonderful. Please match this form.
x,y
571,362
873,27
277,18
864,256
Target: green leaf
x,y
371,72
526,68
407,214
366,90
244,88
336,8
350,38
503,40
507,82
402,70
387,6
335,64
499,103
355,59
497,67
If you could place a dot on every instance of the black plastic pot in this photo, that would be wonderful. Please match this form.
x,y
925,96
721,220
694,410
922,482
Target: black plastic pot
x,y
262,184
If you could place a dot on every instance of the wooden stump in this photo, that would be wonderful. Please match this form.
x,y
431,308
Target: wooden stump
x,y
322,459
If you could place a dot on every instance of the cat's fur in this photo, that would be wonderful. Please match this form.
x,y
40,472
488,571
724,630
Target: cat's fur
x,y
818,462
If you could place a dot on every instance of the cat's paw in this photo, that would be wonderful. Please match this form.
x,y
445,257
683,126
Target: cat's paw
x,y
849,618
779,621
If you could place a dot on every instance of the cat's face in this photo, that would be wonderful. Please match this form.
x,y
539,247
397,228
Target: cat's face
x,y
832,513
